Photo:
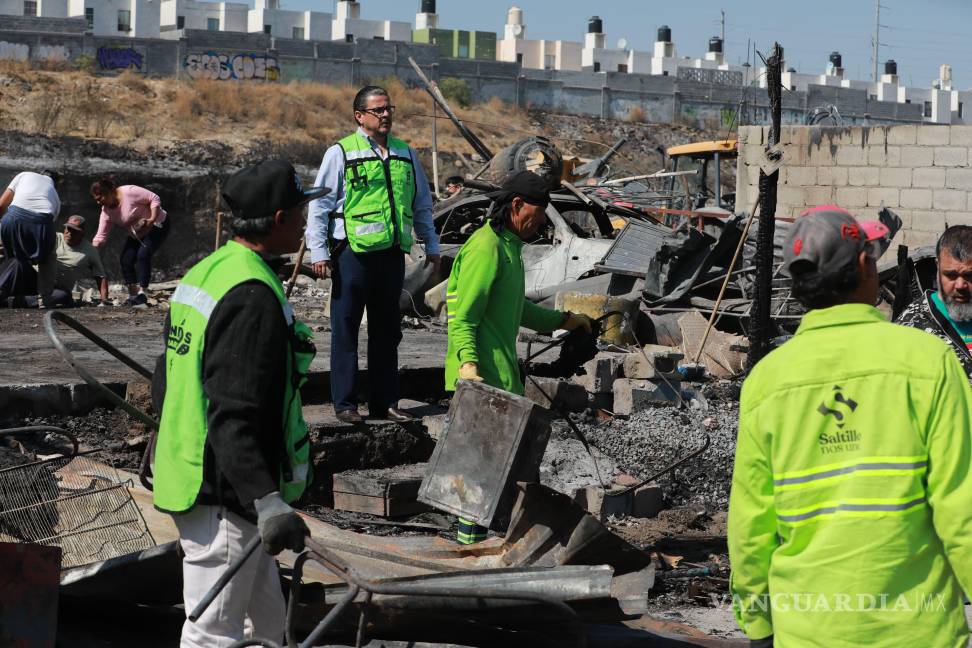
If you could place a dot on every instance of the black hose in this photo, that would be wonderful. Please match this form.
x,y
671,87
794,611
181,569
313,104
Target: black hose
x,y
42,428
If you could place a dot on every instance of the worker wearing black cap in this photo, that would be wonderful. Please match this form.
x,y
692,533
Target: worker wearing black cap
x,y
232,451
485,298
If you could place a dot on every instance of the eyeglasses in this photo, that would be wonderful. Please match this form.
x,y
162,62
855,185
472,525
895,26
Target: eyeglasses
x,y
380,110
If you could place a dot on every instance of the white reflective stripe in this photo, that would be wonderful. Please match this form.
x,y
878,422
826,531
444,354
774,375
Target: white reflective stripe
x,y
361,155
195,298
852,508
300,474
369,228
402,153
288,312
406,229
452,297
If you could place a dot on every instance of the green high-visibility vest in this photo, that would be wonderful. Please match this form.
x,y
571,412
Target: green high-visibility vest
x,y
378,195
178,466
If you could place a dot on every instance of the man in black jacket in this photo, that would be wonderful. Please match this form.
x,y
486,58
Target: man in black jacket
x,y
232,449
947,312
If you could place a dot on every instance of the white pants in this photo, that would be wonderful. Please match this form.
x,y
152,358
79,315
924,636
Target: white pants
x,y
251,604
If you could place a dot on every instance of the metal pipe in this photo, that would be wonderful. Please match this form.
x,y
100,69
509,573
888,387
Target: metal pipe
x,y
330,617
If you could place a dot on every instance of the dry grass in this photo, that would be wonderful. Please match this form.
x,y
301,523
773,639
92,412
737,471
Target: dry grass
x,y
637,115
135,110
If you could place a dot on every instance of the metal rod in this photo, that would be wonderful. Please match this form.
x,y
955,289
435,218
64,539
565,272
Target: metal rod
x,y
218,586
330,617
725,282
300,261
669,468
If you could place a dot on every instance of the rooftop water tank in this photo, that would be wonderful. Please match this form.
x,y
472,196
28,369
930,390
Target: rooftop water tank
x,y
428,6
595,25
664,34
890,67
715,44
835,60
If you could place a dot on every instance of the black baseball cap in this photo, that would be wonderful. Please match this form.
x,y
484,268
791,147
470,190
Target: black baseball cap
x,y
260,190
525,184
824,240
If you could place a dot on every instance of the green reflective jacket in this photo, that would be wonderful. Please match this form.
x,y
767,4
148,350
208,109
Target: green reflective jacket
x,y
180,447
850,521
486,307
378,195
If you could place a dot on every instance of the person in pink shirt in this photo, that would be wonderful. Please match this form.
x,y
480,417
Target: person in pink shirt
x,y
139,212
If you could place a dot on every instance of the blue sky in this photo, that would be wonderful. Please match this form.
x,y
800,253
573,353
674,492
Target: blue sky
x,y
808,30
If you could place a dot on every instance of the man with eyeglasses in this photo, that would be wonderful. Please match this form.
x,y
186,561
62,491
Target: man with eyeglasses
x,y
849,516
947,312
359,234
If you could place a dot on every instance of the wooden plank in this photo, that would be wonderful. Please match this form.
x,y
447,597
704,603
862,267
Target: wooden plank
x,y
376,505
397,482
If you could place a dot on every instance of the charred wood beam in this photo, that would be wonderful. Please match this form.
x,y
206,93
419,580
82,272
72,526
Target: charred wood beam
x,y
761,329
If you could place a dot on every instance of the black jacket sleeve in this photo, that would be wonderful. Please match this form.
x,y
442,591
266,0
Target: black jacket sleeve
x,y
244,378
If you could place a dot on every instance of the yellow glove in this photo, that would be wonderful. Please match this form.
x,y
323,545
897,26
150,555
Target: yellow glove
x,y
576,321
469,371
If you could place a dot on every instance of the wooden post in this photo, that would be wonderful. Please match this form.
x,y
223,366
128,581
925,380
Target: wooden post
x,y
219,229
435,149
761,328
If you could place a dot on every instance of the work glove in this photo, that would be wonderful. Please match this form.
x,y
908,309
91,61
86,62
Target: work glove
x,y
279,525
469,371
766,642
575,321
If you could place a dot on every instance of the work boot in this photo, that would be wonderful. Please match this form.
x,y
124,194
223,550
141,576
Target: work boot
x,y
395,415
348,416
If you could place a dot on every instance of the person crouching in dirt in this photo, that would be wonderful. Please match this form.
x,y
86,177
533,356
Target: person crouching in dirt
x,y
140,213
28,208
233,450
486,303
849,513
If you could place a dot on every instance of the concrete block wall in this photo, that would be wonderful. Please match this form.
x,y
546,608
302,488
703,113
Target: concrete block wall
x,y
921,172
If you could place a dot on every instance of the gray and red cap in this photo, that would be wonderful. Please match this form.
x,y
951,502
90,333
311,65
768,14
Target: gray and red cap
x,y
826,239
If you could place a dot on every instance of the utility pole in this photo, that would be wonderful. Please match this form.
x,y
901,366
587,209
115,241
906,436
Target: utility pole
x,y
877,36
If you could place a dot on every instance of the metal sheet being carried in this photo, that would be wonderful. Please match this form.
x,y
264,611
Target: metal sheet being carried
x,y
491,440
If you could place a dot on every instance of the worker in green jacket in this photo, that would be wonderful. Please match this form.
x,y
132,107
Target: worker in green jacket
x,y
849,517
485,298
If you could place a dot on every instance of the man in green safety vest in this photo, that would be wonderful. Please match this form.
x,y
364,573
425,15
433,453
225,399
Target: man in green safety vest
x,y
485,298
849,515
233,452
359,235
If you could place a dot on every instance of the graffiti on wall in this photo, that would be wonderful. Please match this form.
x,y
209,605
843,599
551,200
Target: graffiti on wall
x,y
119,58
14,51
21,52
223,67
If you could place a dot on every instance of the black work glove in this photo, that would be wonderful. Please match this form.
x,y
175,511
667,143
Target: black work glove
x,y
280,526
761,643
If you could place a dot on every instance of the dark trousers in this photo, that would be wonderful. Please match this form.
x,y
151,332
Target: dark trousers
x,y
136,256
59,298
373,281
17,279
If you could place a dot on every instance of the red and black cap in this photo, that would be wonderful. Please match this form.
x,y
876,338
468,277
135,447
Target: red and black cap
x,y
826,239
260,190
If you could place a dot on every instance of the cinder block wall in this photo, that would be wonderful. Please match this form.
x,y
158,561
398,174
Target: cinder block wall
x,y
922,172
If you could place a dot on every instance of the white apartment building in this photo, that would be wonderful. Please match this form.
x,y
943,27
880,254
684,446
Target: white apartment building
x,y
349,26
134,18
515,47
37,8
177,15
269,18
